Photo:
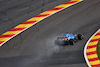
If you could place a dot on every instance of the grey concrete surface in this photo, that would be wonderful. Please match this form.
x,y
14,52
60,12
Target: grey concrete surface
x,y
14,12
35,47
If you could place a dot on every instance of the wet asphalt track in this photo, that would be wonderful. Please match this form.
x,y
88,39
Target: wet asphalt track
x,y
35,47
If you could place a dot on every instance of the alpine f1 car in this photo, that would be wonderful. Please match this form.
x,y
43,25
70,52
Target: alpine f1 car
x,y
68,38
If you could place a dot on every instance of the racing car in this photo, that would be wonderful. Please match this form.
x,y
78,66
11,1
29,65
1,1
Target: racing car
x,y
68,38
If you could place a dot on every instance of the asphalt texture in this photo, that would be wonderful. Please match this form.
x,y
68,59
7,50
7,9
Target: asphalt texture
x,y
35,47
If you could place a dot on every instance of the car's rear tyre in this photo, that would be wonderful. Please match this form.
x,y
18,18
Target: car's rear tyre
x,y
80,36
71,42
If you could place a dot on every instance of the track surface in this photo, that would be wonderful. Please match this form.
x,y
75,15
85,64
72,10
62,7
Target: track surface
x,y
35,47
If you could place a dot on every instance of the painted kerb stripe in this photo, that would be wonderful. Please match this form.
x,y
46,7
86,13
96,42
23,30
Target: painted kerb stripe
x,y
27,24
90,52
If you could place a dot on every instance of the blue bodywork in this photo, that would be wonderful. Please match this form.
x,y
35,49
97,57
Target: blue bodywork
x,y
70,35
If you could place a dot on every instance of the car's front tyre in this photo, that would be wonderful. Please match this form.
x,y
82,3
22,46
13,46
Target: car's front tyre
x,y
80,36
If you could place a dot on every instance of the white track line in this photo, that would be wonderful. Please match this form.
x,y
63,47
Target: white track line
x,y
86,47
39,21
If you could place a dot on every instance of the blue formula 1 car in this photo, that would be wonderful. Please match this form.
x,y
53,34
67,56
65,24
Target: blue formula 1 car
x,y
68,38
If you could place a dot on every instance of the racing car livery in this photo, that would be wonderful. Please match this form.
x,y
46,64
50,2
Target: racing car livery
x,y
68,38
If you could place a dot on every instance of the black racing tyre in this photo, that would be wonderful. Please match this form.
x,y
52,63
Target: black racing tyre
x,y
80,36
71,42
